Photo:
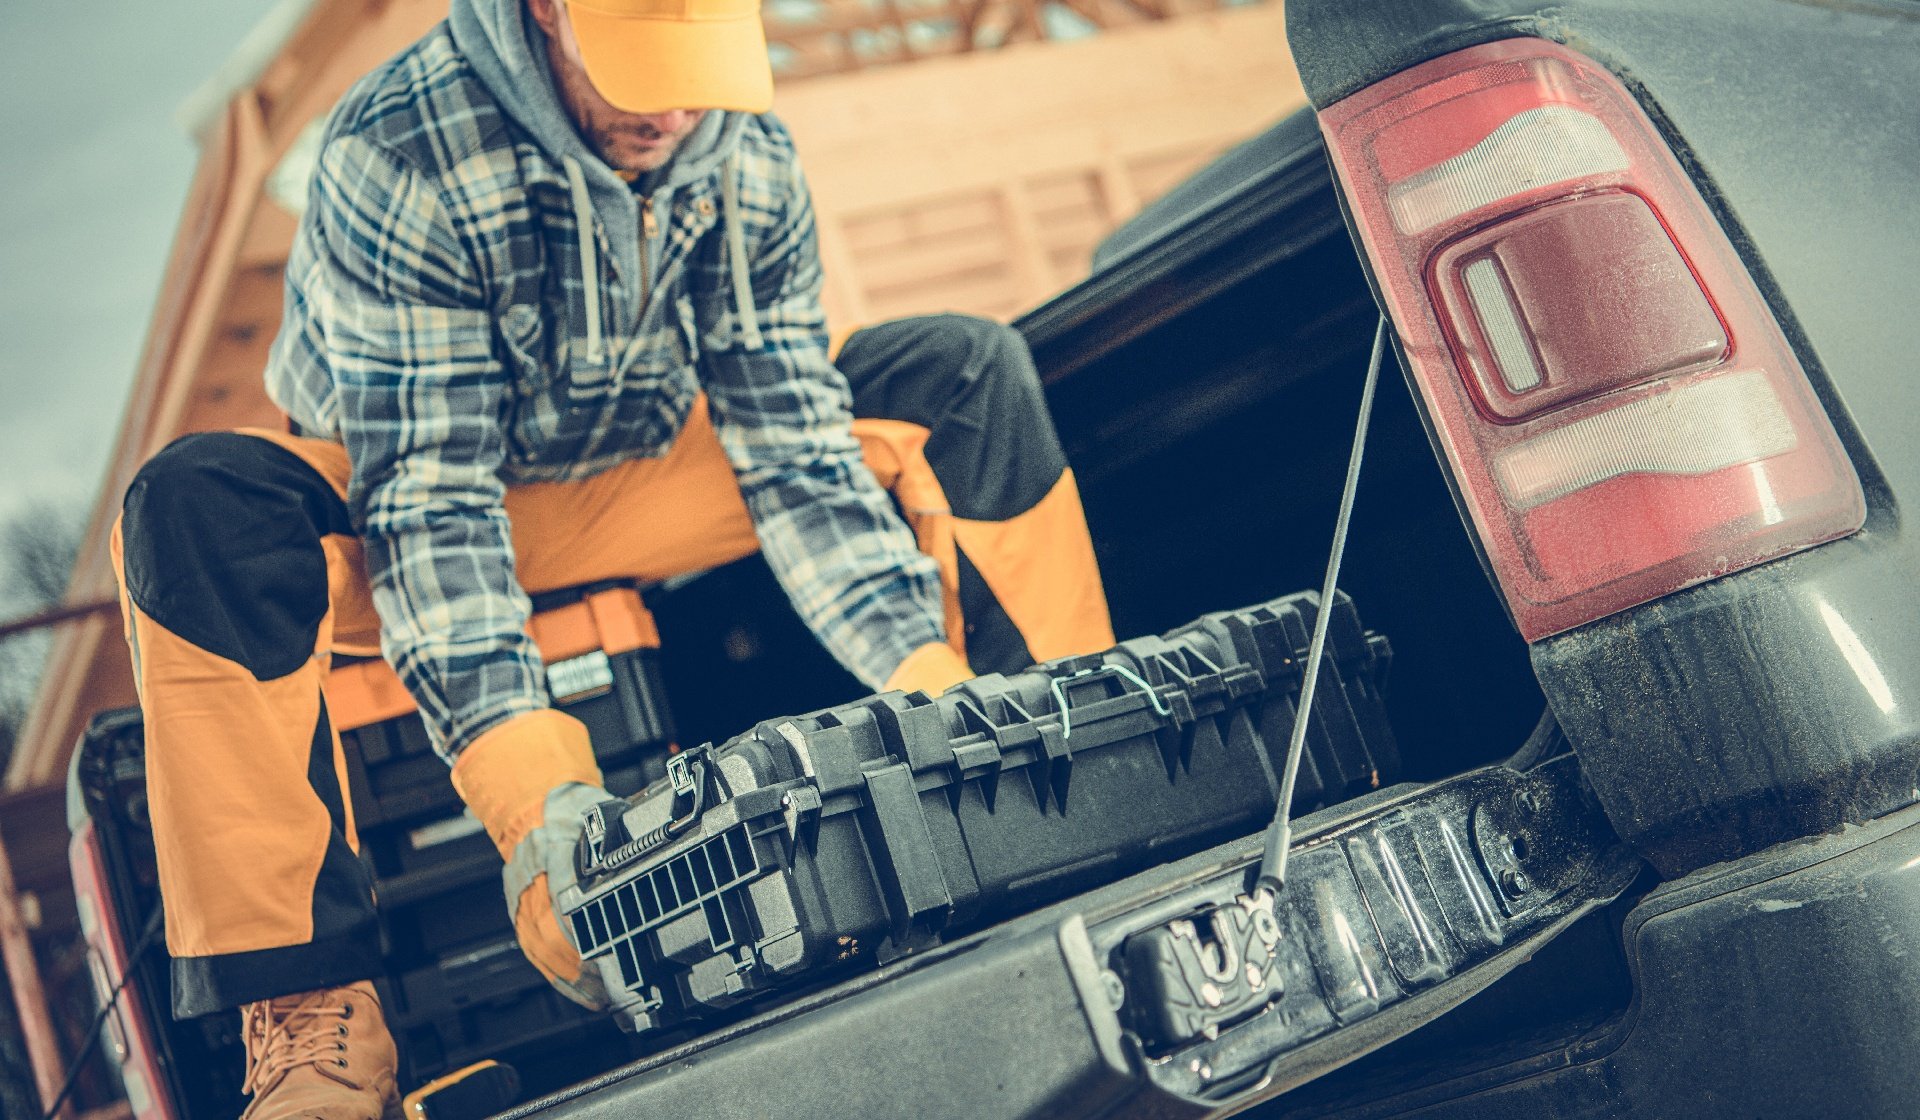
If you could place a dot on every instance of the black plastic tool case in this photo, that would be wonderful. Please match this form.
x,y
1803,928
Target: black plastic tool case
x,y
812,845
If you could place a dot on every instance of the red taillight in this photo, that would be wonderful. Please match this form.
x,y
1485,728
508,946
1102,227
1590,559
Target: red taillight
x,y
1619,406
129,1029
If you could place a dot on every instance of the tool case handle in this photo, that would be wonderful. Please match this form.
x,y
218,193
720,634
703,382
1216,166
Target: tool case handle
x,y
605,844
1128,675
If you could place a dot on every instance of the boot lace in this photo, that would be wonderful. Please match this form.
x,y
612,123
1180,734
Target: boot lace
x,y
293,1031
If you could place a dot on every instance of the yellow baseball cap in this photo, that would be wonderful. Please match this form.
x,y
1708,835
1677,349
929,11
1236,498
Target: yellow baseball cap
x,y
649,56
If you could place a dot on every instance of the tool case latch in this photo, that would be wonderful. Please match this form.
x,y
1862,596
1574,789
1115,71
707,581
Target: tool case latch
x,y
800,807
908,864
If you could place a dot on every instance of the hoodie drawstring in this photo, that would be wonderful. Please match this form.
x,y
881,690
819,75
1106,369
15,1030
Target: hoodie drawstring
x,y
589,259
737,256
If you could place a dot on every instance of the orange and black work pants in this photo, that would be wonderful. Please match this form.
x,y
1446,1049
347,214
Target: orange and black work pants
x,y
241,577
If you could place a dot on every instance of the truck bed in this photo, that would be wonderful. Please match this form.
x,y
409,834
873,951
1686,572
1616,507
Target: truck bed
x,y
1758,754
1205,380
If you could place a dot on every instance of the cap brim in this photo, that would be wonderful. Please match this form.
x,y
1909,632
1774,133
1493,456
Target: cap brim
x,y
654,65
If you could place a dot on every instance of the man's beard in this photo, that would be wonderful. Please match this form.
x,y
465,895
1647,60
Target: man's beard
x,y
608,142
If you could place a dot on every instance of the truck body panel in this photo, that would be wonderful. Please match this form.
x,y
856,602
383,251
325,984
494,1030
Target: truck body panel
x,y
1795,121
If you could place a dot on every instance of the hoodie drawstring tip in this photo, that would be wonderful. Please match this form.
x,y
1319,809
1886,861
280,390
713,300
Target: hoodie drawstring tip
x,y
750,336
589,259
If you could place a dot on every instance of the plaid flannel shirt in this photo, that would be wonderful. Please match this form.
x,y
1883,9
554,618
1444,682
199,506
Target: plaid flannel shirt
x,y
435,324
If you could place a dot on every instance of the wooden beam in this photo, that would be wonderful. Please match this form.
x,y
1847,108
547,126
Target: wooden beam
x,y
1027,18
1116,189
1088,10
252,159
220,234
970,14
88,671
845,303
901,27
29,995
1033,273
827,40
53,616
1152,9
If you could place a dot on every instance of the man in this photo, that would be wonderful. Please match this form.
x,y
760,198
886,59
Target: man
x,y
552,317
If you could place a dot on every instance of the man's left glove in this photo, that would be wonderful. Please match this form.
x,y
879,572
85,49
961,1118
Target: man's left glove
x,y
531,782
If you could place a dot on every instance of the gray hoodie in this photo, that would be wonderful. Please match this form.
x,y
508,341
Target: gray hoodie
x,y
509,52
467,310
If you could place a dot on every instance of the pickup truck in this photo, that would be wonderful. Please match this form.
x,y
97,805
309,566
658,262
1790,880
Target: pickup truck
x,y
1632,523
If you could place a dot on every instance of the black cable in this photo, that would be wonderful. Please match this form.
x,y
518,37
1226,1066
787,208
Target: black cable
x,y
1545,741
113,1000
1273,859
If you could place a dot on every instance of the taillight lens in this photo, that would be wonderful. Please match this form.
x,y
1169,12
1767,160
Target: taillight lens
x,y
130,1030
1620,409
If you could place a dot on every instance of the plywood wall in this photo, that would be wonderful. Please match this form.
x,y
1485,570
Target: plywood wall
x,y
983,183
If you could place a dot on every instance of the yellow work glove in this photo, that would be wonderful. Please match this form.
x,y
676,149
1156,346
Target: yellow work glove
x,y
932,669
531,782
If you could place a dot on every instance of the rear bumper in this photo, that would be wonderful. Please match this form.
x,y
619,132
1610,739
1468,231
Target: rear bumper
x,y
1784,985
1401,906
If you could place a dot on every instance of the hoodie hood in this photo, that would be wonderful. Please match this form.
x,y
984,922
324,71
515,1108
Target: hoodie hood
x,y
509,53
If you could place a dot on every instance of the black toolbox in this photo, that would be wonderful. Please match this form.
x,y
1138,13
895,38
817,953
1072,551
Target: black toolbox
x,y
457,988
815,845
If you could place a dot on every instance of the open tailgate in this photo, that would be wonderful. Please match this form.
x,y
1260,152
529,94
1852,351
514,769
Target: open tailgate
x,y
1401,905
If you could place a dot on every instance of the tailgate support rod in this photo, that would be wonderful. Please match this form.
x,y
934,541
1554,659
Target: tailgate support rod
x,y
1273,859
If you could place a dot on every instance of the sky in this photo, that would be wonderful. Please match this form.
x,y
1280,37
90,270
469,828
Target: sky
x,y
94,169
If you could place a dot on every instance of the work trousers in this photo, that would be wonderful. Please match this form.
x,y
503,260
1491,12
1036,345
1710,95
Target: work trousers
x,y
241,577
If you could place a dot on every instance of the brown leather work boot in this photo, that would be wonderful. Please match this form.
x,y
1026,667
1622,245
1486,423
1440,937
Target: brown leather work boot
x,y
322,1055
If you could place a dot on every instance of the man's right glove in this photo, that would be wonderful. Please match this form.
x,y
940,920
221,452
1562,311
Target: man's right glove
x,y
531,782
932,669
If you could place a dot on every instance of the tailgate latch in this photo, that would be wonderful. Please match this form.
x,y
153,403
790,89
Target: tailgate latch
x,y
1196,976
